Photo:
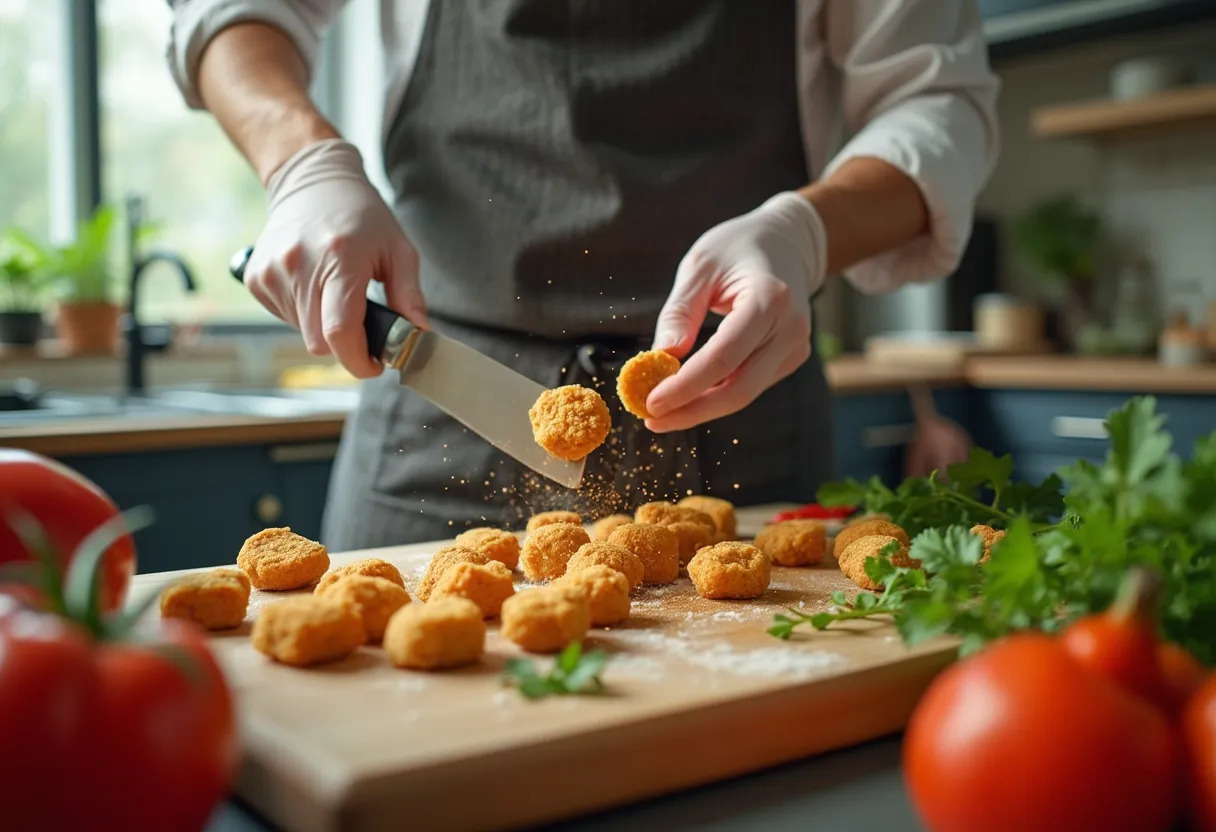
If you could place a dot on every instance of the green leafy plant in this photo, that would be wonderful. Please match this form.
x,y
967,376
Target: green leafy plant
x,y
573,672
82,269
1060,238
22,272
1069,542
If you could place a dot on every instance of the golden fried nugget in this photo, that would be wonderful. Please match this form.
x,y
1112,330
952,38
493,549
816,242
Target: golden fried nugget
x,y
445,632
664,514
215,600
865,528
600,553
547,549
793,542
730,569
546,619
721,511
691,537
570,422
607,593
498,544
603,527
990,536
308,630
443,560
485,584
375,599
657,547
282,559
853,558
548,518
640,375
371,567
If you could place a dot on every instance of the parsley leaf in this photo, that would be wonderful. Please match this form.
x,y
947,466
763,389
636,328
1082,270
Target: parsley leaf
x,y
573,671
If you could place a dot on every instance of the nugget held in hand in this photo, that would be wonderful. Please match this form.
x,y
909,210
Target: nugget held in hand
x,y
546,619
731,569
570,422
308,630
722,512
598,553
215,600
640,375
497,544
485,584
371,567
853,558
603,527
691,537
548,549
374,599
445,632
606,590
865,528
442,561
793,542
990,536
548,518
657,547
280,559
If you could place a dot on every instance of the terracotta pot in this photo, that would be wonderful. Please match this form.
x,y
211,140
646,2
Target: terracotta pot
x,y
88,328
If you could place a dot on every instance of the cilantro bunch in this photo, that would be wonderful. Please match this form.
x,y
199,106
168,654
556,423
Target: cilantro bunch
x,y
1069,541
572,672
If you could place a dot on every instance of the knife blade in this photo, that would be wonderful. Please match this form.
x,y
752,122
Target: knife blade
x,y
487,397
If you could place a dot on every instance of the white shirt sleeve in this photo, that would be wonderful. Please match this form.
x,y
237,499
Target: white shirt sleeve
x,y
196,22
916,92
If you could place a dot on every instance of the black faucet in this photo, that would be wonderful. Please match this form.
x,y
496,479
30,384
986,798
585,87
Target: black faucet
x,y
139,341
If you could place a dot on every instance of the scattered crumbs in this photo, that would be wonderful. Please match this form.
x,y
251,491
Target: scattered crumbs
x,y
766,662
729,615
504,698
644,668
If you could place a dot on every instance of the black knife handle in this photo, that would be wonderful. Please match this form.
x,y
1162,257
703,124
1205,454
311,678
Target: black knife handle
x,y
377,320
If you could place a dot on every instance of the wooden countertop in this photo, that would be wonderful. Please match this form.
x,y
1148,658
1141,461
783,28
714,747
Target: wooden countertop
x,y
849,375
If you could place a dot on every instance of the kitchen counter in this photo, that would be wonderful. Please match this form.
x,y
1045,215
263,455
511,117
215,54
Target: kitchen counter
x,y
849,375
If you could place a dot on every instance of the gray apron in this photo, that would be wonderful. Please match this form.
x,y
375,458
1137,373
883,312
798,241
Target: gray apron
x,y
553,160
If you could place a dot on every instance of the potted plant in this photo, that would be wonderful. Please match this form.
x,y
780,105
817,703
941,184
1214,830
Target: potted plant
x,y
21,288
1060,238
87,315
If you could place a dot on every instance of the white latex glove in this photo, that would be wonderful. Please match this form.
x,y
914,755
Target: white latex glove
x,y
327,235
759,271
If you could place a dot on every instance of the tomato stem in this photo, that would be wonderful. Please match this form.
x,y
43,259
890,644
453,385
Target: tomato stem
x,y
1139,595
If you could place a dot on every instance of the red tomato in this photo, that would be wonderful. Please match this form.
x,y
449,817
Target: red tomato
x,y
1181,672
1021,738
1199,731
68,507
143,733
1121,648
814,511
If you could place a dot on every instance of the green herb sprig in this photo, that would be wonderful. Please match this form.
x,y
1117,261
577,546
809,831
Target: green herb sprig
x,y
573,672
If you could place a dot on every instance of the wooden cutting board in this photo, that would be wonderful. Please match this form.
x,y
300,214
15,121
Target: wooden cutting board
x,y
697,692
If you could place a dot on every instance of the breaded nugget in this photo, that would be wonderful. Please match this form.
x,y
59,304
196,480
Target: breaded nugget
x,y
497,544
546,619
657,547
691,537
547,549
374,599
600,553
485,584
793,542
606,590
664,514
371,567
570,422
443,560
445,632
308,630
730,569
215,600
853,558
865,528
281,559
548,518
990,536
640,375
722,512
603,527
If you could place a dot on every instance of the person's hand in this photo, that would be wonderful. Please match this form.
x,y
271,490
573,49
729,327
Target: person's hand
x,y
759,271
327,235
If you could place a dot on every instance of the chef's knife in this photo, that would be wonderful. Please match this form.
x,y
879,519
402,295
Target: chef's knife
x,y
488,398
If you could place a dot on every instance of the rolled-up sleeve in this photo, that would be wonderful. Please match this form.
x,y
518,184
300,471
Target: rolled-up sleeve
x,y
917,92
196,22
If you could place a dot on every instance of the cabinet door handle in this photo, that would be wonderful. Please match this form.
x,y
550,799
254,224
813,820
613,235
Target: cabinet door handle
x,y
303,452
887,436
268,509
1078,427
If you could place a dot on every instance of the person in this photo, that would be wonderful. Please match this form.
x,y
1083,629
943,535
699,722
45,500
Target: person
x,y
574,181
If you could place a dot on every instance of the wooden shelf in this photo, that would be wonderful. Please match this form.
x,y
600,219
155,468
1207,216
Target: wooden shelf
x,y
1091,118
